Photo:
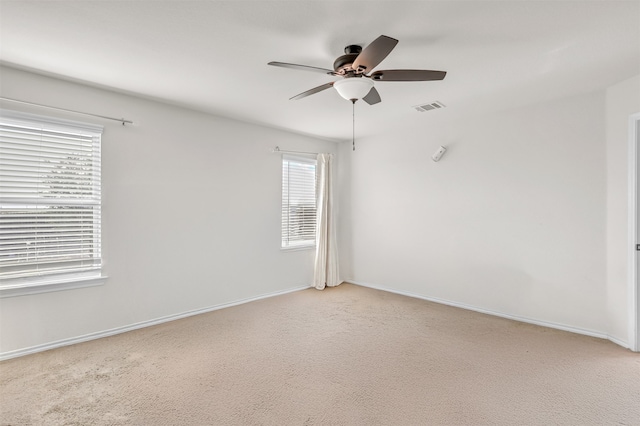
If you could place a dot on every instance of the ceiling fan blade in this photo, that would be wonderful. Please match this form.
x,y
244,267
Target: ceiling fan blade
x,y
407,75
312,91
302,67
374,53
373,97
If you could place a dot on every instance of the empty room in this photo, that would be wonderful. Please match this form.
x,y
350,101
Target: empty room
x,y
319,212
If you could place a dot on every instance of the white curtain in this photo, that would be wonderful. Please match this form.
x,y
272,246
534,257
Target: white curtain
x,y
326,265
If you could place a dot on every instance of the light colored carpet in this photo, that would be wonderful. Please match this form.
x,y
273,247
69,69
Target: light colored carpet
x,y
344,356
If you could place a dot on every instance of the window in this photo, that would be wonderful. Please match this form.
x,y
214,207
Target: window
x,y
49,201
298,202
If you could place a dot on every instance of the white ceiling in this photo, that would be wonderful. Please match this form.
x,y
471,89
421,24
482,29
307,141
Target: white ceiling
x,y
212,55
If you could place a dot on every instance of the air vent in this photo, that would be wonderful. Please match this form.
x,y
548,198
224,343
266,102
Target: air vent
x,y
429,107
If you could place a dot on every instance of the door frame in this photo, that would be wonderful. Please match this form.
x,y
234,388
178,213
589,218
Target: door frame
x,y
634,217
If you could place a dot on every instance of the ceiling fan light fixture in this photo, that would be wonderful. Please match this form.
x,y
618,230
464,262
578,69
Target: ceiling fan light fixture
x,y
353,88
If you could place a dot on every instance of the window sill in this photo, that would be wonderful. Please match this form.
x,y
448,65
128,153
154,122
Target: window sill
x,y
298,248
67,283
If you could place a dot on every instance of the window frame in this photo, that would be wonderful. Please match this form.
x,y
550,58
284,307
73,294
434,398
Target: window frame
x,y
47,282
291,244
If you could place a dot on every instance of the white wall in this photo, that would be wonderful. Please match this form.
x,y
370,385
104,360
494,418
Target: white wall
x,y
511,220
622,100
191,215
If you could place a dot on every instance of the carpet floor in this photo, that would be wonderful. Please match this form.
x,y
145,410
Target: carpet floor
x,y
344,356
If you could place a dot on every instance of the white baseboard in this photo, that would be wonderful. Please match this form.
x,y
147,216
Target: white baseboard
x,y
619,342
143,324
557,326
131,327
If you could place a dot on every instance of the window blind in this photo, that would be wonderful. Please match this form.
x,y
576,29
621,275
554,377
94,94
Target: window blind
x,y
50,198
298,201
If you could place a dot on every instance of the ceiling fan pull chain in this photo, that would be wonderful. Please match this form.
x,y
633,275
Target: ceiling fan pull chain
x,y
353,115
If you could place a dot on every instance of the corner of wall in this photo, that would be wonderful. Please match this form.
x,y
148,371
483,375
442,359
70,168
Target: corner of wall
x,y
622,100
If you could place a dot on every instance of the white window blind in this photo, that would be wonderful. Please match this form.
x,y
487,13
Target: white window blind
x,y
50,197
298,202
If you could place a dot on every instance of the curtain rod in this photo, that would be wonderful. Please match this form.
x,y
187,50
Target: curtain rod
x,y
277,150
121,120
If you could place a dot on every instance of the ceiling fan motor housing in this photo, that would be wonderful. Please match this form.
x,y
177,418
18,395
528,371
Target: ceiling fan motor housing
x,y
343,63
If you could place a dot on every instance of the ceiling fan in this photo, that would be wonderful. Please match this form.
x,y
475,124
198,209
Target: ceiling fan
x,y
356,66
